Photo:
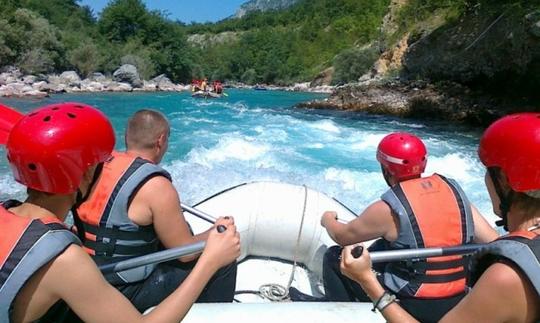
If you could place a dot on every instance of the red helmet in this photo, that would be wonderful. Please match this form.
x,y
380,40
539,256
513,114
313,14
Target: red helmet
x,y
50,148
402,154
513,144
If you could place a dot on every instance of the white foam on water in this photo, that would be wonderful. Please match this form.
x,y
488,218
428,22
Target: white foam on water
x,y
10,189
316,145
363,141
325,125
228,148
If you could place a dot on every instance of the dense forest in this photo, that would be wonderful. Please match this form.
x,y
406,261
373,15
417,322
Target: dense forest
x,y
272,47
278,47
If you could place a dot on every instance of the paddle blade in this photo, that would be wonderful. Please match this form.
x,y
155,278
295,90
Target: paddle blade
x,y
8,118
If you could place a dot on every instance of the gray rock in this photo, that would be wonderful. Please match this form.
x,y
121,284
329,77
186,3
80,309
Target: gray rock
x,y
127,73
40,86
97,77
70,77
12,70
29,79
163,83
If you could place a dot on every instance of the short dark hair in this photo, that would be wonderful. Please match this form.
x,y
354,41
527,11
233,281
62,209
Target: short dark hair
x,y
144,128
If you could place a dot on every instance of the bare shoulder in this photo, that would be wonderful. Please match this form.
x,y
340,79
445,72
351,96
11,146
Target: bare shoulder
x,y
502,294
157,186
73,257
378,208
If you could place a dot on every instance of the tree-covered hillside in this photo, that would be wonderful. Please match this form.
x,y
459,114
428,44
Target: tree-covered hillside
x,y
272,47
291,45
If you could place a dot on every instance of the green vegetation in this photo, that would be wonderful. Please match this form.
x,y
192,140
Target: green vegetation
x,y
293,45
273,47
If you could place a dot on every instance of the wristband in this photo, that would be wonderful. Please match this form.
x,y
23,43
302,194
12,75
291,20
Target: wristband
x,y
383,301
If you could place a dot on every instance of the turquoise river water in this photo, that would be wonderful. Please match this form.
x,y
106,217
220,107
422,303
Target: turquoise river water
x,y
258,135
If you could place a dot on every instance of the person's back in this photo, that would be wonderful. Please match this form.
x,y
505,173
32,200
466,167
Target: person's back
x,y
134,208
55,151
505,272
415,212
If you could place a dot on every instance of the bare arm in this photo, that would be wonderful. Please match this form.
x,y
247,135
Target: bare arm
x,y
74,277
502,294
158,203
483,231
376,221
360,271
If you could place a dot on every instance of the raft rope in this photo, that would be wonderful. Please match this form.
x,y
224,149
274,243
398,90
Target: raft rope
x,y
274,291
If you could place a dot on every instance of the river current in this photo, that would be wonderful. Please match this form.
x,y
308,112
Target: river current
x,y
259,135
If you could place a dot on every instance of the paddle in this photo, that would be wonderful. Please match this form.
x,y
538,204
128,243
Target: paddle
x,y
165,255
8,118
157,257
406,254
225,94
205,216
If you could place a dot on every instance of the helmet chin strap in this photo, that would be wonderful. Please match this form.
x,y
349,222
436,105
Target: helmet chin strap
x,y
505,199
80,199
386,175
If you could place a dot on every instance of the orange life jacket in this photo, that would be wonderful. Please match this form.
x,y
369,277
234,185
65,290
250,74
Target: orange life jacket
x,y
109,234
432,212
26,245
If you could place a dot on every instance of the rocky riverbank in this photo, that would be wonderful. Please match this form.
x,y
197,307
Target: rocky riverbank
x,y
13,83
125,79
418,99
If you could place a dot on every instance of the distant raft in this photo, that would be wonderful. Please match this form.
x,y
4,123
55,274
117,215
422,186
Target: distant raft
x,y
206,95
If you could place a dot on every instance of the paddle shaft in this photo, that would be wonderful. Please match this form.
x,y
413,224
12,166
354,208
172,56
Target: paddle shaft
x,y
154,258
205,216
157,257
407,254
164,255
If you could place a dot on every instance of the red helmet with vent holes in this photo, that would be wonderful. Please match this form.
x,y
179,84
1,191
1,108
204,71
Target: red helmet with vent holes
x,y
50,148
513,144
403,155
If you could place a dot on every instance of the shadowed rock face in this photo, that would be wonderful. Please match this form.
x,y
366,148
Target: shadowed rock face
x,y
445,101
497,51
479,68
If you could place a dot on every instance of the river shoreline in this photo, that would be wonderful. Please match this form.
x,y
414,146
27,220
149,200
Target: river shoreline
x,y
446,101
15,84
443,101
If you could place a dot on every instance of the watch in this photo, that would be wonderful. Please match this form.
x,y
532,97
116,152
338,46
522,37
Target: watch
x,y
385,300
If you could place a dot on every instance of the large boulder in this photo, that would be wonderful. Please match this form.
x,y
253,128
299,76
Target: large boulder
x,y
70,78
127,73
163,83
97,77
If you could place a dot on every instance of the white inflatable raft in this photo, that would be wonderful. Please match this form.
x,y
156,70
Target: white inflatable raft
x,y
206,95
279,224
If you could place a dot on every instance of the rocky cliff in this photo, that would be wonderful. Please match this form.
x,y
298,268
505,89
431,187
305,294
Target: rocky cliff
x,y
263,5
473,68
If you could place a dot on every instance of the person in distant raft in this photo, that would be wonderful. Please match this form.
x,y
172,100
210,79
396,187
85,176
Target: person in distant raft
x,y
204,84
506,273
134,210
416,212
217,87
56,152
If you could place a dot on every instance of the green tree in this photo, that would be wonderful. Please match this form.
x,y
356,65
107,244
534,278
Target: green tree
x,y
123,19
